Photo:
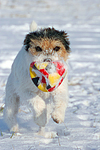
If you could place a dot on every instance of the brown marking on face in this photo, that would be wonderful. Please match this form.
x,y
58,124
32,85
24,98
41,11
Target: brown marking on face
x,y
48,48
33,45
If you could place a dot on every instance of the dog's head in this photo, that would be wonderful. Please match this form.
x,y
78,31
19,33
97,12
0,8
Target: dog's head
x,y
47,45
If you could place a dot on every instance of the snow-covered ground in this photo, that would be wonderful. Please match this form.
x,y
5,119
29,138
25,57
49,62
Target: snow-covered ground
x,y
81,19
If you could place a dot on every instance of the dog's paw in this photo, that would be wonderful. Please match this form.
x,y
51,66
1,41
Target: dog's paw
x,y
50,134
47,134
58,117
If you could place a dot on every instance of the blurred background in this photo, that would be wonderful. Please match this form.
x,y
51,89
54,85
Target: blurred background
x,y
51,12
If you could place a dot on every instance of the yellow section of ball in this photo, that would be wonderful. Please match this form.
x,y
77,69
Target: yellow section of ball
x,y
53,79
32,73
41,65
42,87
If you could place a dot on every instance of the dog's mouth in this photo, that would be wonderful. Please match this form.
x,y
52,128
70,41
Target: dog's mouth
x,y
47,60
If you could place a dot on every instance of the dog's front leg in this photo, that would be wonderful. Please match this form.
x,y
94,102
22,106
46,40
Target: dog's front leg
x,y
40,116
39,110
60,104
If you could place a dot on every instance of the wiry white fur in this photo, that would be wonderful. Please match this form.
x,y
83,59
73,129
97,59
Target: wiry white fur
x,y
20,89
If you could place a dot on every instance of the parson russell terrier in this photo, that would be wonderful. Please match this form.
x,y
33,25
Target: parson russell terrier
x,y
42,45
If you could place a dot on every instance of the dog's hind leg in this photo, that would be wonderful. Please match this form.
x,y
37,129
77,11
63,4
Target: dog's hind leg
x,y
10,111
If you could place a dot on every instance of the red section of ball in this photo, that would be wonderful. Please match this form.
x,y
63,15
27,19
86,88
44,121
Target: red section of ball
x,y
43,79
32,64
60,68
51,89
60,81
44,72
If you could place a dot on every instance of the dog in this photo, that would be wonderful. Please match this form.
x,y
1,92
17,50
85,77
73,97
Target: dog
x,y
42,45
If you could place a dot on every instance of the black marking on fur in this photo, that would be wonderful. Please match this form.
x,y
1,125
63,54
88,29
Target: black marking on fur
x,y
49,33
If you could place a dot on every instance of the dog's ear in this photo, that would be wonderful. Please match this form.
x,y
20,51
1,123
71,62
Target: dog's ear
x,y
33,26
65,41
27,42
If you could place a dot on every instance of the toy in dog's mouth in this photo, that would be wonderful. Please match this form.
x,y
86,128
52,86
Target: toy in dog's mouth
x,y
47,76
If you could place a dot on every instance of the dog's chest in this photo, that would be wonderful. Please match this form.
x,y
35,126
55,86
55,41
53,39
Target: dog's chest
x,y
46,96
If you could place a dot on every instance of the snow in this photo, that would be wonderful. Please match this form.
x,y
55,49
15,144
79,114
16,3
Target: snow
x,y
81,19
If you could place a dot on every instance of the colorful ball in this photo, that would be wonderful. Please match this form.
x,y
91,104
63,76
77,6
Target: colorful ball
x,y
47,76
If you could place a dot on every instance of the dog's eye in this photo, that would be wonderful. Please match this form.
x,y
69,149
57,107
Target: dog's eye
x,y
57,48
38,49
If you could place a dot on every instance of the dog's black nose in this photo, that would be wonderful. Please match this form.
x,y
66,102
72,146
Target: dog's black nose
x,y
47,60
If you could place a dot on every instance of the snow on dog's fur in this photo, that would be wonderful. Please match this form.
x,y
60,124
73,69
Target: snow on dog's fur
x,y
41,45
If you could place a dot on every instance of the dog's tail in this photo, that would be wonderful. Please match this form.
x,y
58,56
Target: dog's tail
x,y
33,26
